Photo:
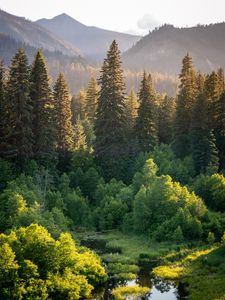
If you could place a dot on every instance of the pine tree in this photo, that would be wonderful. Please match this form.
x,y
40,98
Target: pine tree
x,y
3,112
20,138
220,76
64,129
220,130
185,101
166,120
131,108
43,110
78,106
212,94
111,122
91,100
146,126
203,143
79,136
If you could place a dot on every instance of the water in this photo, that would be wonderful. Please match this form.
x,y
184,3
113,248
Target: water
x,y
159,288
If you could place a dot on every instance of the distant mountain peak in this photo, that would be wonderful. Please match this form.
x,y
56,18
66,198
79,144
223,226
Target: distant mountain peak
x,y
32,34
93,41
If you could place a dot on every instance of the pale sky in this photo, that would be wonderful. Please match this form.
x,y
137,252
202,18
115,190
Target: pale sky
x,y
134,16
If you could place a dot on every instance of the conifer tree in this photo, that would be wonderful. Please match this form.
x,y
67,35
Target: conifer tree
x,y
131,108
3,112
220,76
64,129
220,130
79,136
146,126
20,137
78,106
111,123
203,143
212,94
185,101
166,120
43,110
91,100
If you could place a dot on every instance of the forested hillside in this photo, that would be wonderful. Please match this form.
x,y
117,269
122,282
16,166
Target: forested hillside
x,y
164,47
143,165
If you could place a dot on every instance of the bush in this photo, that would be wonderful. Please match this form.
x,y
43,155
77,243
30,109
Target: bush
x,y
212,190
33,265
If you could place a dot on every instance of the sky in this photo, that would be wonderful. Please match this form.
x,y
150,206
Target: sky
x,y
132,16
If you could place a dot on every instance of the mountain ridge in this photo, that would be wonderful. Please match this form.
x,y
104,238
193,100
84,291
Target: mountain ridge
x,y
162,49
24,30
93,41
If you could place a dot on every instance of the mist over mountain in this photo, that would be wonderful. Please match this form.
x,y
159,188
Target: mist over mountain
x,y
34,35
93,41
163,49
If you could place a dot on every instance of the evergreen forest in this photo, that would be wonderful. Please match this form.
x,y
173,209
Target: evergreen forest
x,y
139,171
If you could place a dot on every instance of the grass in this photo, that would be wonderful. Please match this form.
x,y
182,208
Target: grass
x,y
202,270
120,293
133,247
125,252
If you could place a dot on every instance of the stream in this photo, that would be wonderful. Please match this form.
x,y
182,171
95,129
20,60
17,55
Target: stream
x,y
159,288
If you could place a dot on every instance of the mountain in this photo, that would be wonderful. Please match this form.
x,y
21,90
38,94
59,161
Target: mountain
x,y
163,49
34,35
76,69
93,41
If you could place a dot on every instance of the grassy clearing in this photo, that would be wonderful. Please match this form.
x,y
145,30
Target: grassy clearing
x,y
133,247
203,270
125,252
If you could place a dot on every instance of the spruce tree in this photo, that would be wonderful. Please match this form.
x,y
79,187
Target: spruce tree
x,y
203,143
166,120
185,101
212,94
20,137
146,124
91,100
79,136
220,130
111,123
131,108
78,106
220,76
62,103
3,112
43,110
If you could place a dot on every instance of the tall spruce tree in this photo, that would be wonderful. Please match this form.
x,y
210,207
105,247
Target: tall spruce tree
x,y
63,116
3,112
111,122
91,99
146,122
79,136
43,110
212,94
220,130
131,108
166,119
20,137
203,143
220,76
185,101
78,106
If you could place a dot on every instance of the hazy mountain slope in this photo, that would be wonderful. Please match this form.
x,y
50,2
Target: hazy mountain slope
x,y
163,49
33,34
92,41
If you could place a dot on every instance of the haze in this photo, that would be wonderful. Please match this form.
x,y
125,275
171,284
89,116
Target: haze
x,y
136,16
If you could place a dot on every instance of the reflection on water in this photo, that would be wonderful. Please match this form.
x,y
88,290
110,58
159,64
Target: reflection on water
x,y
159,289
